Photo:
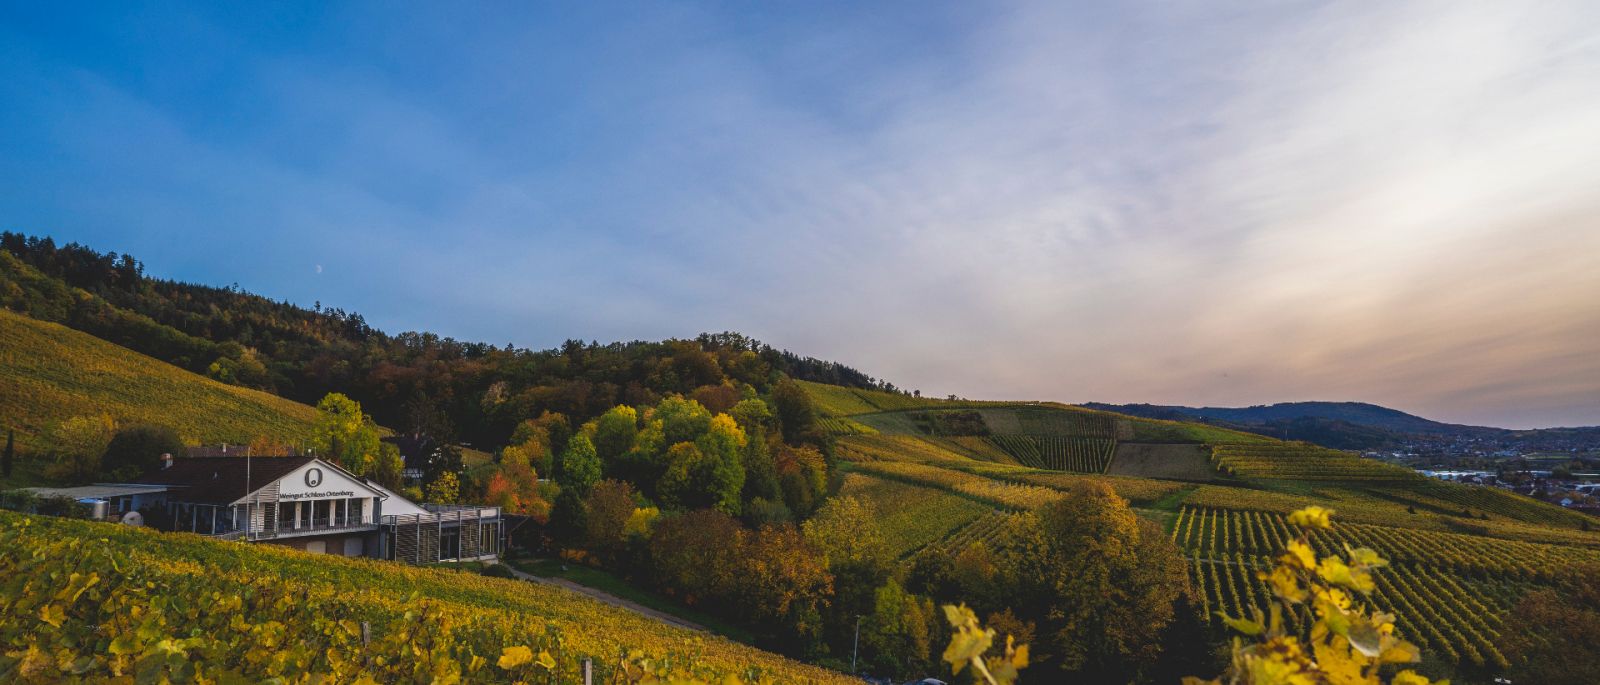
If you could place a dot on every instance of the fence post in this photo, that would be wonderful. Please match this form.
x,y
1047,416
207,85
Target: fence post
x,y
588,671
366,633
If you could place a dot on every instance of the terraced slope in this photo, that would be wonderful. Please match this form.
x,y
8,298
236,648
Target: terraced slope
x,y
49,373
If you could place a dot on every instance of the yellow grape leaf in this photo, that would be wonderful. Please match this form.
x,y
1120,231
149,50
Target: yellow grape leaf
x,y
1243,625
1300,555
1401,653
512,657
1312,517
547,661
52,614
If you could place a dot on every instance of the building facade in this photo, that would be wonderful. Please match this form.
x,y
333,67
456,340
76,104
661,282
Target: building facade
x,y
316,506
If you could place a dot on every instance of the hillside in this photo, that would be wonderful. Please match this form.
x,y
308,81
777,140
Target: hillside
x,y
415,382
1359,426
53,373
1463,555
269,610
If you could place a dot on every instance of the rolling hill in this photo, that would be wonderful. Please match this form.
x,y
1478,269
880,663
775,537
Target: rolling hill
x,y
1462,555
53,373
1358,425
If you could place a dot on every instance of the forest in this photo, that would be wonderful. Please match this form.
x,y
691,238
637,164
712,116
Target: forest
x,y
415,382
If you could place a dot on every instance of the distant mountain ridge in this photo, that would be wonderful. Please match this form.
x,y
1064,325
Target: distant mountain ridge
x,y
1359,425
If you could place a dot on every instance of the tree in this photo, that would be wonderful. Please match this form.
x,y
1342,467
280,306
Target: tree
x,y
580,466
676,489
681,420
344,434
845,531
445,489
10,453
1098,581
80,443
803,477
797,416
895,635
695,556
723,446
610,505
388,469
614,434
1549,636
138,448
782,587
760,473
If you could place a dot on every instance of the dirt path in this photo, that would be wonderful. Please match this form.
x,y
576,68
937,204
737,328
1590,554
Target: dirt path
x,y
611,599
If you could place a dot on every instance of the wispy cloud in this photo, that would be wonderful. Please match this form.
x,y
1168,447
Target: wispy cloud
x,y
1159,202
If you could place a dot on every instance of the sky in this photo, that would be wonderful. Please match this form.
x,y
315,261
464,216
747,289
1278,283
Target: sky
x,y
1172,202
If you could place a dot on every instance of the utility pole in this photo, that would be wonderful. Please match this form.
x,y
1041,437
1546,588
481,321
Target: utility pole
x,y
855,648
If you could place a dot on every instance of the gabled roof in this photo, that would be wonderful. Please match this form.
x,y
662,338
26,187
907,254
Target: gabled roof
x,y
221,480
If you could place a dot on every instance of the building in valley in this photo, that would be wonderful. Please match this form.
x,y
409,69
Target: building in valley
x,y
316,506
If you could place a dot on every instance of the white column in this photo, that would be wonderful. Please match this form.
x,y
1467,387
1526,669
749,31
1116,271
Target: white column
x,y
297,515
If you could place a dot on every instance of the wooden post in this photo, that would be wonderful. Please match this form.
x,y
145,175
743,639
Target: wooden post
x,y
588,672
366,633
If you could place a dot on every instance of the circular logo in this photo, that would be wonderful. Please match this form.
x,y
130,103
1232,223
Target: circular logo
x,y
313,478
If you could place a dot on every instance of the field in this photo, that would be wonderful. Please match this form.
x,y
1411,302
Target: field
x,y
53,373
258,611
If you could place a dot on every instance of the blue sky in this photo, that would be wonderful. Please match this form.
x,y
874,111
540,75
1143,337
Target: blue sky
x,y
1169,202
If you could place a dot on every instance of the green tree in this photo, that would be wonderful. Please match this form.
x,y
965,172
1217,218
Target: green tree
x,y
388,468
895,636
614,434
760,473
751,414
344,434
681,420
138,448
723,445
797,415
445,489
580,466
80,443
676,489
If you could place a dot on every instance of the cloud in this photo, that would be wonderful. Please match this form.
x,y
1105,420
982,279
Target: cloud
x,y
1153,202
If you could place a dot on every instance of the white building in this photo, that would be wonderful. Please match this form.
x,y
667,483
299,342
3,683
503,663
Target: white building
x,y
316,506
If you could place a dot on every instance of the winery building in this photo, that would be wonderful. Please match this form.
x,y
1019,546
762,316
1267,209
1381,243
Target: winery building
x,y
316,506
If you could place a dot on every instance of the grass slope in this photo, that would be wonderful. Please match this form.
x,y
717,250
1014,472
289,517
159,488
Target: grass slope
x,y
49,373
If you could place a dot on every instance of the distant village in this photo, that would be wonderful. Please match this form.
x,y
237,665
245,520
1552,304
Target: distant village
x,y
1569,478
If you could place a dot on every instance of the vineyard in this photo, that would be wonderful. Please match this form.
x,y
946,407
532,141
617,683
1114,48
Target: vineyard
x,y
979,530
1451,591
1362,505
93,600
844,426
1081,455
997,493
866,450
1302,461
1054,421
913,516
